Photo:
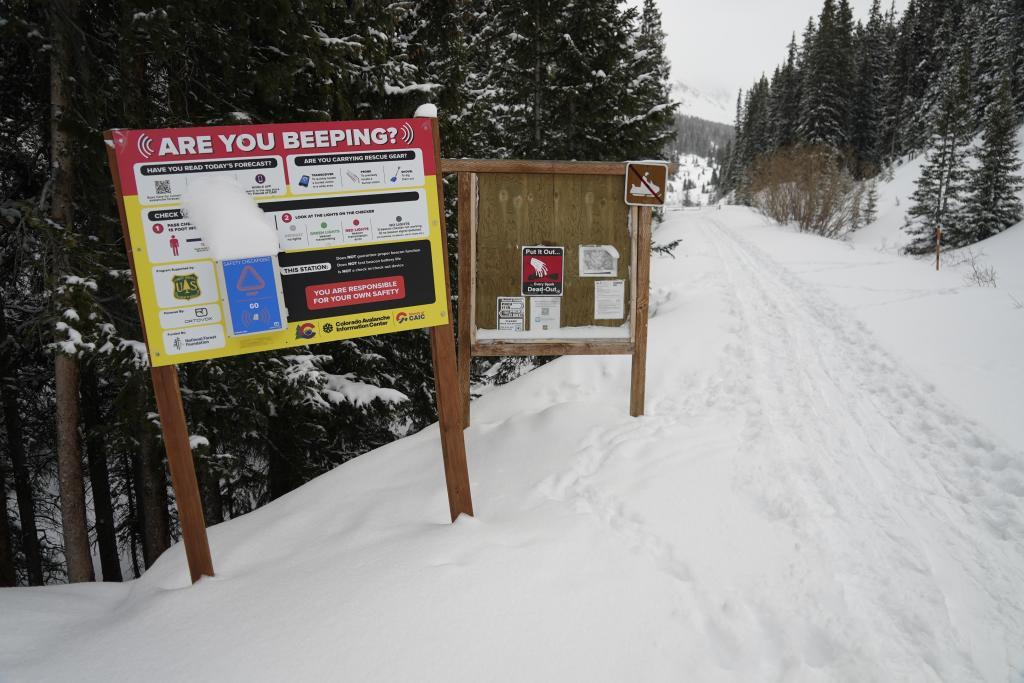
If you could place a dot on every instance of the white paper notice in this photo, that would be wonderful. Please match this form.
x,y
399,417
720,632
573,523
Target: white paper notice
x,y
512,313
598,260
545,313
609,299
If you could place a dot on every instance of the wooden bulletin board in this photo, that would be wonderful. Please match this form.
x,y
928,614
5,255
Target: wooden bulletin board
x,y
507,205
516,210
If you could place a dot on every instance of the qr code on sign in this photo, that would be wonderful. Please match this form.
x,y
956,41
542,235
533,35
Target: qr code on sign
x,y
163,186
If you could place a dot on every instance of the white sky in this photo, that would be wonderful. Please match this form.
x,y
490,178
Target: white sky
x,y
724,45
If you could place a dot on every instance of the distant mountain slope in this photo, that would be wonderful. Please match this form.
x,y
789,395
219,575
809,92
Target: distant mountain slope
x,y
699,136
718,106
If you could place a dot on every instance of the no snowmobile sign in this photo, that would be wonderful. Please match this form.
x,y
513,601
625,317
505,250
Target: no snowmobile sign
x,y
543,271
645,183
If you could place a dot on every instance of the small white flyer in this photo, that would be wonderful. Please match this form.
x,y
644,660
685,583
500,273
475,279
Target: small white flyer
x,y
545,313
598,260
512,313
609,300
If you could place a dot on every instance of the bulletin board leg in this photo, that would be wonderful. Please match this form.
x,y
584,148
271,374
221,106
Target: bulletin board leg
x,y
183,471
449,412
638,380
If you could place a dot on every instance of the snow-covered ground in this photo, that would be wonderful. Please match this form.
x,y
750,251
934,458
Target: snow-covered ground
x,y
697,170
829,485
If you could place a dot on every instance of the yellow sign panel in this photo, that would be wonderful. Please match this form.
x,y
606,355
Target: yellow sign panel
x,y
354,206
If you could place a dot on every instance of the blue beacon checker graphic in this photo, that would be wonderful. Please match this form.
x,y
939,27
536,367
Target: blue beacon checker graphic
x,y
252,295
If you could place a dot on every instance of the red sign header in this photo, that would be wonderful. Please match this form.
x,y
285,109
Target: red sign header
x,y
183,145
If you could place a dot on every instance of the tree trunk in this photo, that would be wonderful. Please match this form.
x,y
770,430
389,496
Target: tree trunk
x,y
538,12
66,372
7,573
22,480
99,476
209,488
151,487
133,513
282,475
71,484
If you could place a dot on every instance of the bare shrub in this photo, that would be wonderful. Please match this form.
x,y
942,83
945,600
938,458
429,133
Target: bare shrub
x,y
978,274
807,186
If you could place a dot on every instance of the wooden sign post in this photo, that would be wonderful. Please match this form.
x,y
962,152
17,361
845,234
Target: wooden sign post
x,y
358,209
569,216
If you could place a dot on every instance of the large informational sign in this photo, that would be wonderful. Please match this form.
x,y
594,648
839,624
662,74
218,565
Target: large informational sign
x,y
354,205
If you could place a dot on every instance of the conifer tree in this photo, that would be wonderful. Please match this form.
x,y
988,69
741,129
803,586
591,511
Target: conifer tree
x,y
786,99
992,204
937,199
866,111
825,106
647,122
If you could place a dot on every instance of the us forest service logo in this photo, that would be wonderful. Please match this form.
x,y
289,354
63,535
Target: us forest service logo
x,y
186,286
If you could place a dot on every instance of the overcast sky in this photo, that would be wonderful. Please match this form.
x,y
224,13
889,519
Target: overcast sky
x,y
724,45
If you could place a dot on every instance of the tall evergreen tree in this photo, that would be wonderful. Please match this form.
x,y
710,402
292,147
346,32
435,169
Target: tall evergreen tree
x,y
872,56
992,204
825,106
647,121
937,201
786,99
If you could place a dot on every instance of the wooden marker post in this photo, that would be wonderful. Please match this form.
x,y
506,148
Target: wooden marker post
x,y
938,247
446,378
638,376
172,422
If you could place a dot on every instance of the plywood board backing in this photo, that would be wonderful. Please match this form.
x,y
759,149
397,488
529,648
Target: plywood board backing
x,y
554,210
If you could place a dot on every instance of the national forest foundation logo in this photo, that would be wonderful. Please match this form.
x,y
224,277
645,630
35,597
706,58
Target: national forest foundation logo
x,y
186,286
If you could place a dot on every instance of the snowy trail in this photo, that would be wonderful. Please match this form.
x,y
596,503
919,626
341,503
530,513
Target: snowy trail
x,y
896,483
799,504
870,470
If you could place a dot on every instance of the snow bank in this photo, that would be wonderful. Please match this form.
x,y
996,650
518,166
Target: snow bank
x,y
428,111
229,221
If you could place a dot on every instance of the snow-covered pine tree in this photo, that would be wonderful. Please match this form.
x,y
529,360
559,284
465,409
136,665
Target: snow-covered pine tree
x,y
870,211
872,63
940,39
992,204
825,105
733,169
993,29
937,201
1016,40
786,99
647,123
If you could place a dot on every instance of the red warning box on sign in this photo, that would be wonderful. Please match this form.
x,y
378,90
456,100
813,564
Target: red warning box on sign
x,y
543,271
340,294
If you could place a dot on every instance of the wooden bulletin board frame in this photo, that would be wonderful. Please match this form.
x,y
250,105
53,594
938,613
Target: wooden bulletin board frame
x,y
638,226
